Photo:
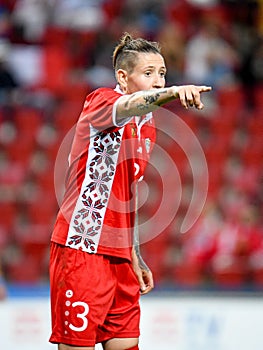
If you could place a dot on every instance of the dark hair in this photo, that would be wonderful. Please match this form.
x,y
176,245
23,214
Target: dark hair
x,y
125,53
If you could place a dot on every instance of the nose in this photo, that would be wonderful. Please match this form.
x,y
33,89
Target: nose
x,y
158,82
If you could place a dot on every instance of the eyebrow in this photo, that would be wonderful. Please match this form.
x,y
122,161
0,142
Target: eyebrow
x,y
153,67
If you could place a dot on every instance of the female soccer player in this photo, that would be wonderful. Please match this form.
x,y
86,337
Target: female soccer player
x,y
96,272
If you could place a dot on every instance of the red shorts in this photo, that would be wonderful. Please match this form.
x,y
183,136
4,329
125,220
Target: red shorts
x,y
93,297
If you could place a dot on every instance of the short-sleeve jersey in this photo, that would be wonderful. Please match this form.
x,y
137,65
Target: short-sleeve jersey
x,y
106,160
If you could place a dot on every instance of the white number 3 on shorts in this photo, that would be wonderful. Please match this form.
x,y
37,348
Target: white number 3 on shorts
x,y
81,316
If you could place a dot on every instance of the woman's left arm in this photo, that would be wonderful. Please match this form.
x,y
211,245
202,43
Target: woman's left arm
x,y
141,270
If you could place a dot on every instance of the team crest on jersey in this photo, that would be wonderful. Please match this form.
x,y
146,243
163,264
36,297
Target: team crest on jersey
x,y
133,130
148,144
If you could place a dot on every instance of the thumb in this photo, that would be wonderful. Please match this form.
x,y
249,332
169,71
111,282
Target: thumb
x,y
141,283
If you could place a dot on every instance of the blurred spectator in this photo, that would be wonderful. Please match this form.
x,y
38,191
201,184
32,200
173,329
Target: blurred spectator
x,y
100,71
238,244
246,39
5,22
30,18
151,17
200,247
209,58
240,177
8,82
257,61
172,39
78,14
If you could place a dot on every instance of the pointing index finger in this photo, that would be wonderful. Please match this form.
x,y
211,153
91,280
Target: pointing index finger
x,y
204,88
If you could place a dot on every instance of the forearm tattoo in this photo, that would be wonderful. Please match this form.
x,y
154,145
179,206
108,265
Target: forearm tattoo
x,y
142,263
150,98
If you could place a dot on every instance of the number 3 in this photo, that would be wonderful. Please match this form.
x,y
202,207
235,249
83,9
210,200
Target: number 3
x,y
82,316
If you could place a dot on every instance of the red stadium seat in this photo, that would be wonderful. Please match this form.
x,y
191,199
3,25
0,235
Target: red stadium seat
x,y
66,116
8,212
257,277
252,155
233,276
258,96
25,270
188,275
112,9
4,238
21,150
27,120
43,209
56,67
56,36
232,99
255,124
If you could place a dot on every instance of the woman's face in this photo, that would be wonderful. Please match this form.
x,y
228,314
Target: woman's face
x,y
149,73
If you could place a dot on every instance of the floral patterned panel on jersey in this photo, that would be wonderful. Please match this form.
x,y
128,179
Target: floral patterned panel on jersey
x,y
88,216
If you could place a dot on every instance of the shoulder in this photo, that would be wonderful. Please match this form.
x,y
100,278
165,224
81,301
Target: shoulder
x,y
104,91
102,97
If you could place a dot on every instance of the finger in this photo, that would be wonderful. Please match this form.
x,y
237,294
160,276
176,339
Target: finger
x,y
149,282
204,88
200,105
146,291
143,286
197,101
189,98
182,98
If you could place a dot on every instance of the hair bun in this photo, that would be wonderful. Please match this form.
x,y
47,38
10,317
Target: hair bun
x,y
128,46
126,39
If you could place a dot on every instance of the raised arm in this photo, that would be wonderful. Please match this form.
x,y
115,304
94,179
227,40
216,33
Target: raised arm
x,y
143,102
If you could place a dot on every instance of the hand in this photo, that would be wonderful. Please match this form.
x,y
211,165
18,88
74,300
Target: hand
x,y
189,95
145,279
143,273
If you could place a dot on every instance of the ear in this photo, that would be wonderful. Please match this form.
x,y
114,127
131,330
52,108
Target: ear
x,y
122,78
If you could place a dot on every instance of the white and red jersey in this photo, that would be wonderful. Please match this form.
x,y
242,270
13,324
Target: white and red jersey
x,y
106,159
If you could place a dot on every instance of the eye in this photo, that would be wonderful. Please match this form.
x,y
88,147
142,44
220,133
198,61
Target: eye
x,y
148,73
162,74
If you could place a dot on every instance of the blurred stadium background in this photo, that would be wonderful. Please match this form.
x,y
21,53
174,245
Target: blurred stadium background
x,y
53,52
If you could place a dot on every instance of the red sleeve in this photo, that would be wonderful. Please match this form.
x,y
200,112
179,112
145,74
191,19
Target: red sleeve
x,y
99,108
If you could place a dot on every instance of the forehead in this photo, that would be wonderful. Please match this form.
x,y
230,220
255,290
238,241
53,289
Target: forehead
x,y
149,59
